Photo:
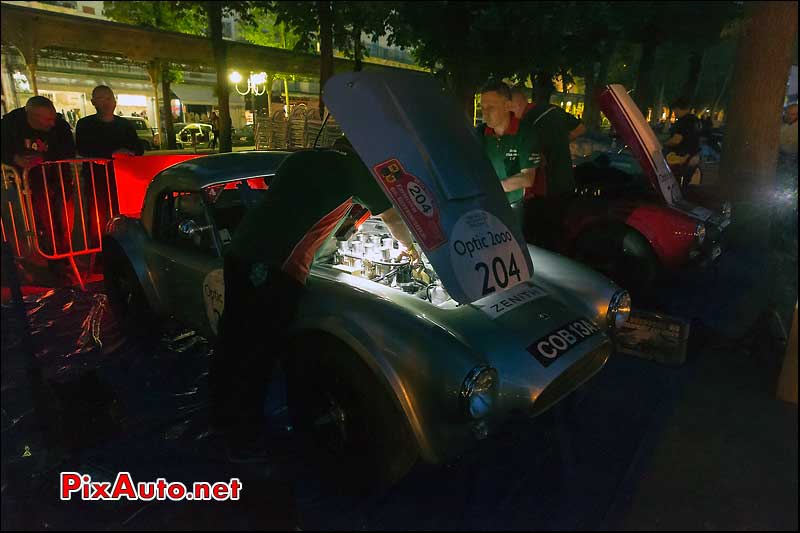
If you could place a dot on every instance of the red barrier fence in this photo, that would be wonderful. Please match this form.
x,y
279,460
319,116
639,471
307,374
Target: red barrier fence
x,y
59,210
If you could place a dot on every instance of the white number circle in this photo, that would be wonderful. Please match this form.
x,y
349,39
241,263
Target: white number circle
x,y
485,256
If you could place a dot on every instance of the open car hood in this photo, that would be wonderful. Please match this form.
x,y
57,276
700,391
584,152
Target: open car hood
x,y
425,156
634,130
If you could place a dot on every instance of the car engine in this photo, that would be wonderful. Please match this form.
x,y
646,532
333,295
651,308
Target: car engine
x,y
371,252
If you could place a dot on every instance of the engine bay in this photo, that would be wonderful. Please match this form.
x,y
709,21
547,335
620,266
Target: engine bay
x,y
370,252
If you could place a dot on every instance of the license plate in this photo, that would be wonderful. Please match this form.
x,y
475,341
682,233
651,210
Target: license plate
x,y
559,341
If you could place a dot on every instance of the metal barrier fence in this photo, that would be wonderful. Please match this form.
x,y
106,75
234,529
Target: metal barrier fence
x,y
57,210
297,131
14,222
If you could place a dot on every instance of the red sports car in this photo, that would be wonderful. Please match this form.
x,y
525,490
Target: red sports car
x,y
630,219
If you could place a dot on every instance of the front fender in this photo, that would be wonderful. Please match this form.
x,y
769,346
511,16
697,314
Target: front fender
x,y
128,234
669,232
419,364
575,284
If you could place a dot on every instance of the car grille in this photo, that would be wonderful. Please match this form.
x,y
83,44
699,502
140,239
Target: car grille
x,y
571,379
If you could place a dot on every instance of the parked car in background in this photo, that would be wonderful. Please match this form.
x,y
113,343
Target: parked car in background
x,y
147,135
244,136
630,219
202,132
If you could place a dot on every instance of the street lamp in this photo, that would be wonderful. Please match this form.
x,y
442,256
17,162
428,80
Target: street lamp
x,y
256,86
256,83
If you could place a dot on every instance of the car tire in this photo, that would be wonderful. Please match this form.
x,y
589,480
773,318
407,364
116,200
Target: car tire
x,y
622,254
357,435
125,294
145,146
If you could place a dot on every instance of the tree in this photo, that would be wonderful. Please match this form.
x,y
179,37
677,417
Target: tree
x,y
333,25
749,157
689,27
199,18
462,43
265,30
161,16
214,13
354,19
311,22
158,15
540,34
590,47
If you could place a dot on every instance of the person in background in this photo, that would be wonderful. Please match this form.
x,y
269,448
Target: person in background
x,y
788,139
272,266
553,190
33,135
683,147
214,129
103,136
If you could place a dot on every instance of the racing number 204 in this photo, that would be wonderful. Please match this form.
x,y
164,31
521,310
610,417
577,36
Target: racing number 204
x,y
420,198
498,272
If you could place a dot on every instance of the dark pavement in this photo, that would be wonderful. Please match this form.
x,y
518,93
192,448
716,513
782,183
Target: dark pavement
x,y
702,446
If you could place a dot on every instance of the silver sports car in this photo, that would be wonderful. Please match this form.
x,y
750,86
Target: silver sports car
x,y
391,361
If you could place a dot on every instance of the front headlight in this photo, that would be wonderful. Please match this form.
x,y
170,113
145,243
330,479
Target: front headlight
x,y
700,233
727,210
478,392
619,309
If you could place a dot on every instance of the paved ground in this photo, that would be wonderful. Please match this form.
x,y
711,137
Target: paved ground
x,y
703,446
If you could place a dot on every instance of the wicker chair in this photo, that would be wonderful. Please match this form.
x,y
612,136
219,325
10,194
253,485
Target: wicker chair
x,y
278,131
261,132
313,125
297,127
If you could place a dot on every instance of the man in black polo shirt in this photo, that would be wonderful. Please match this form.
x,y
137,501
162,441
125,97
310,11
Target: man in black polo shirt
x,y
555,128
102,136
265,273
552,193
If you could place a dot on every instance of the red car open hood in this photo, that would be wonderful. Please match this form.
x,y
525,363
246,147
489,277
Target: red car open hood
x,y
634,130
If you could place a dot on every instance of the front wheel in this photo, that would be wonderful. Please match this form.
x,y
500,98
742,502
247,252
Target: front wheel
x,y
622,254
125,294
354,429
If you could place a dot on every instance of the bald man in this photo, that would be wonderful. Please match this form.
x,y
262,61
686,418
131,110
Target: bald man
x,y
105,134
31,135
35,133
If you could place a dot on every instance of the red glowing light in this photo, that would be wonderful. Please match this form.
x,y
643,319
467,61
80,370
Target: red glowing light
x,y
134,173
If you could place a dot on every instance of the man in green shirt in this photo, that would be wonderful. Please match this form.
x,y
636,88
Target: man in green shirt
x,y
265,273
511,146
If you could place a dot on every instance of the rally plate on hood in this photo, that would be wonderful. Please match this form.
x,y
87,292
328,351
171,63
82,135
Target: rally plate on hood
x,y
423,153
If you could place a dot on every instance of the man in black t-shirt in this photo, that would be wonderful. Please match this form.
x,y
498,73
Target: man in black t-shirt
x,y
683,147
36,133
32,135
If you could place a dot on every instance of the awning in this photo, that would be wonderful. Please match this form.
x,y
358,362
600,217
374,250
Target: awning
x,y
194,94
